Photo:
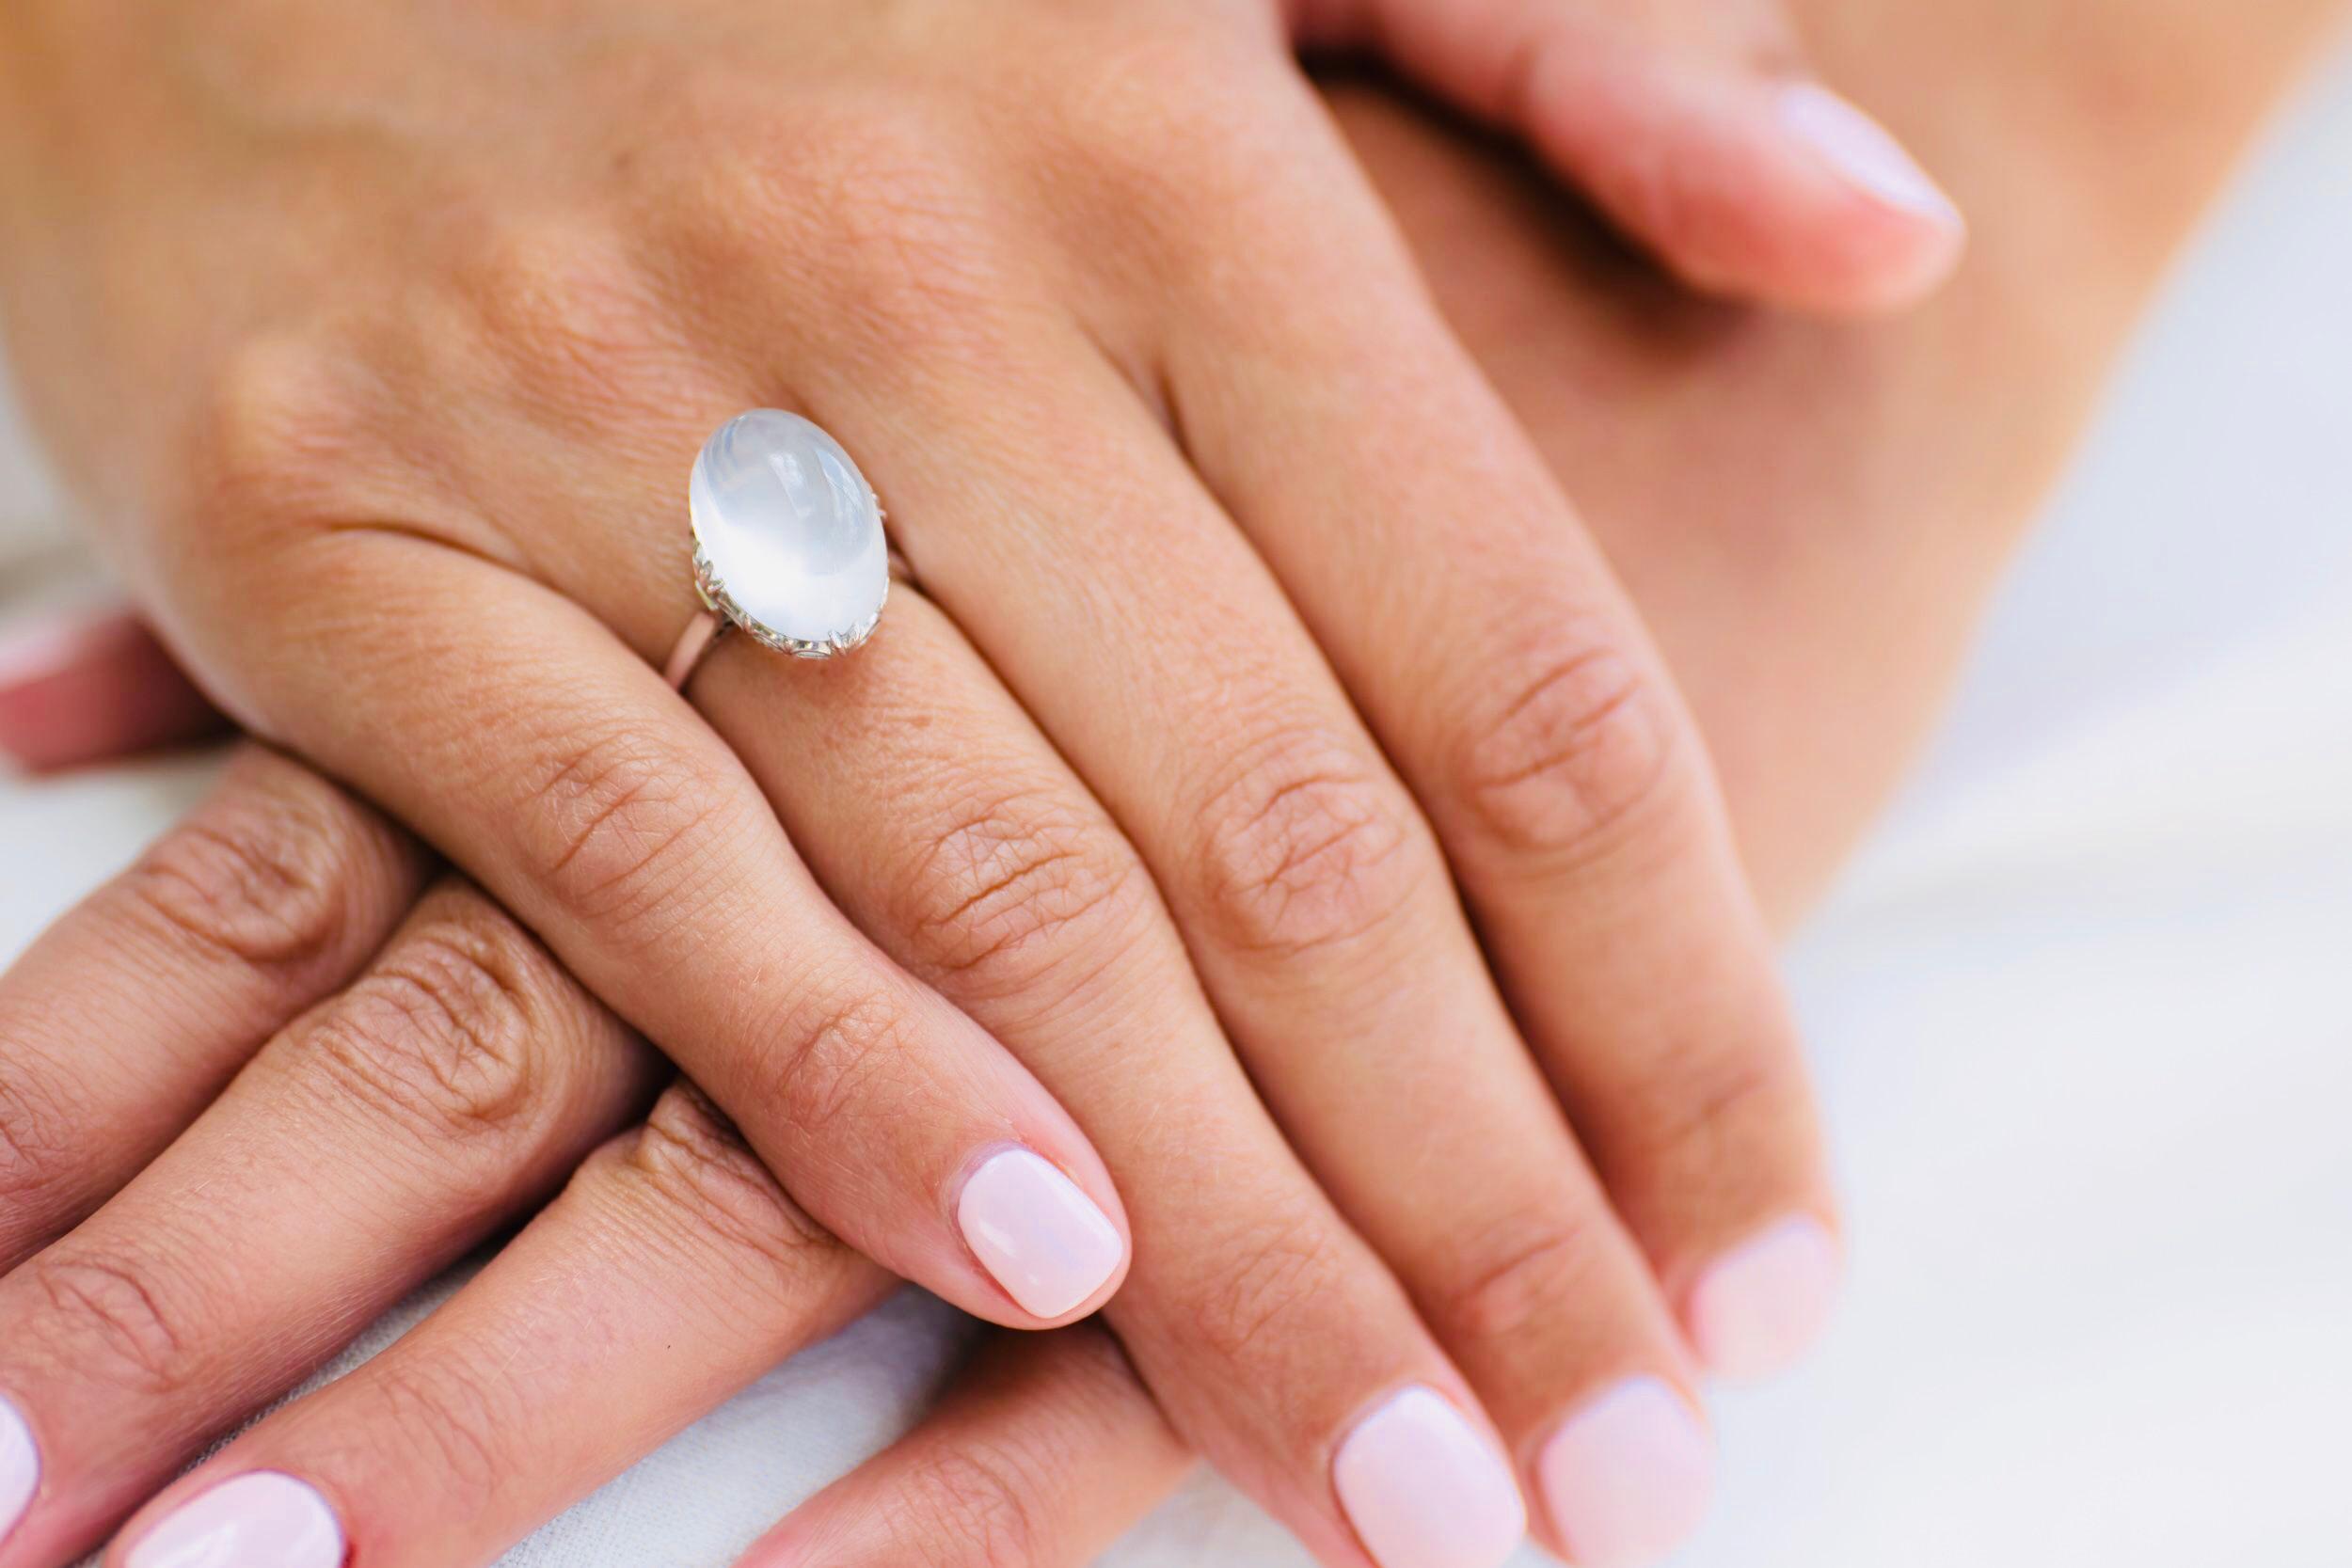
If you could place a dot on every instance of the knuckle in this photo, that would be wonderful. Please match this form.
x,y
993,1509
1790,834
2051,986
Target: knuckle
x,y
1285,1266
1702,1108
38,1146
1012,890
1306,849
972,1504
265,875
1580,749
1525,1270
108,1313
577,323
280,425
689,1169
450,1411
1168,113
449,1034
876,206
616,826
839,1055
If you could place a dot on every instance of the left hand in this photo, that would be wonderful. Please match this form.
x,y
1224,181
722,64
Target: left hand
x,y
1753,595
1091,288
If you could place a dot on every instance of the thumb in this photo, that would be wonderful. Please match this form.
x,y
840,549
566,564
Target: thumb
x,y
93,687
1692,125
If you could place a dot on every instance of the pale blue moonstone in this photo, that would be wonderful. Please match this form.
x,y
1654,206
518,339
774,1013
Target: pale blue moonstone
x,y
789,527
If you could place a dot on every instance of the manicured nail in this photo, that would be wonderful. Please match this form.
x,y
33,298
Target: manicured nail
x,y
1760,1306
260,1519
1032,1228
1628,1476
19,1467
1425,1489
1860,148
38,649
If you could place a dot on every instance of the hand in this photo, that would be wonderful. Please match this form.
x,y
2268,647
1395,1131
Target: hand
x,y
438,435
1568,338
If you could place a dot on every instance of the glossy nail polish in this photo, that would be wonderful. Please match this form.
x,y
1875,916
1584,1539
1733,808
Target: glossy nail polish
x,y
1759,1307
260,1519
1626,1477
1863,153
1425,1489
19,1467
1037,1232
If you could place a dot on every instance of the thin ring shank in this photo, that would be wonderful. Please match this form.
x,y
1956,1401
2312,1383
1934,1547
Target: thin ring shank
x,y
694,644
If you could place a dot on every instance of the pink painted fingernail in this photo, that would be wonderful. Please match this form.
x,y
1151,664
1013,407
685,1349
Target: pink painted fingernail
x,y
1425,1489
1863,153
1628,1476
1037,1232
260,1519
1760,1306
19,1467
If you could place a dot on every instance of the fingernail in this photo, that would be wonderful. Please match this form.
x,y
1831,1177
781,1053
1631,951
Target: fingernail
x,y
1628,1476
36,650
260,1519
19,1467
1861,149
1425,1489
1042,1237
1760,1306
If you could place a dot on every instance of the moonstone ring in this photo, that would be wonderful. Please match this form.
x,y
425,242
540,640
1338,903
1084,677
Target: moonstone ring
x,y
788,541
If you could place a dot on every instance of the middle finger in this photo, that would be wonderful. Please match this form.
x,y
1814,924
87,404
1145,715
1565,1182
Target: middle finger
x,y
950,831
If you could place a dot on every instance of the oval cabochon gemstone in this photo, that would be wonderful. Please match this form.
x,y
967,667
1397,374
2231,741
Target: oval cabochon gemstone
x,y
789,527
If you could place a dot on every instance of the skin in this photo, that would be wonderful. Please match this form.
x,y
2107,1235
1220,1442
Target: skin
x,y
1813,590
431,308
1061,1391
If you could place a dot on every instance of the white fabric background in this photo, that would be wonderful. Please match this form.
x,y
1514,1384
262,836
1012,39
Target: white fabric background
x,y
2082,1011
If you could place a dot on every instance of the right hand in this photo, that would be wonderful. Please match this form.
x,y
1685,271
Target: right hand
x,y
1343,650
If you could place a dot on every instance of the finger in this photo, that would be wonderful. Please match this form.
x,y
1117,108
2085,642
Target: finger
x,y
1508,676
1315,905
1043,1453
537,1381
1265,812
1694,126
124,1020
371,1144
94,687
951,830
552,763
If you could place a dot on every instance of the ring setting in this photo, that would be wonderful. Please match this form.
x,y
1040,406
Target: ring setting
x,y
789,541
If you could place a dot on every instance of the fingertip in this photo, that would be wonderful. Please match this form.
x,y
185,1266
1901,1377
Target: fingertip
x,y
1864,153
19,1467
91,686
258,1519
1047,1244
1757,188
1888,235
1760,1306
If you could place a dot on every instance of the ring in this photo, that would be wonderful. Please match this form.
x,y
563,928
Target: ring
x,y
789,541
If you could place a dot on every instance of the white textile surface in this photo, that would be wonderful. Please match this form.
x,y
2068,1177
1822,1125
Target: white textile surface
x,y
2082,1011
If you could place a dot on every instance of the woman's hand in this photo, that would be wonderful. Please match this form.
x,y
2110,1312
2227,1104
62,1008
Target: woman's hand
x,y
1753,592
1213,519
430,1073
